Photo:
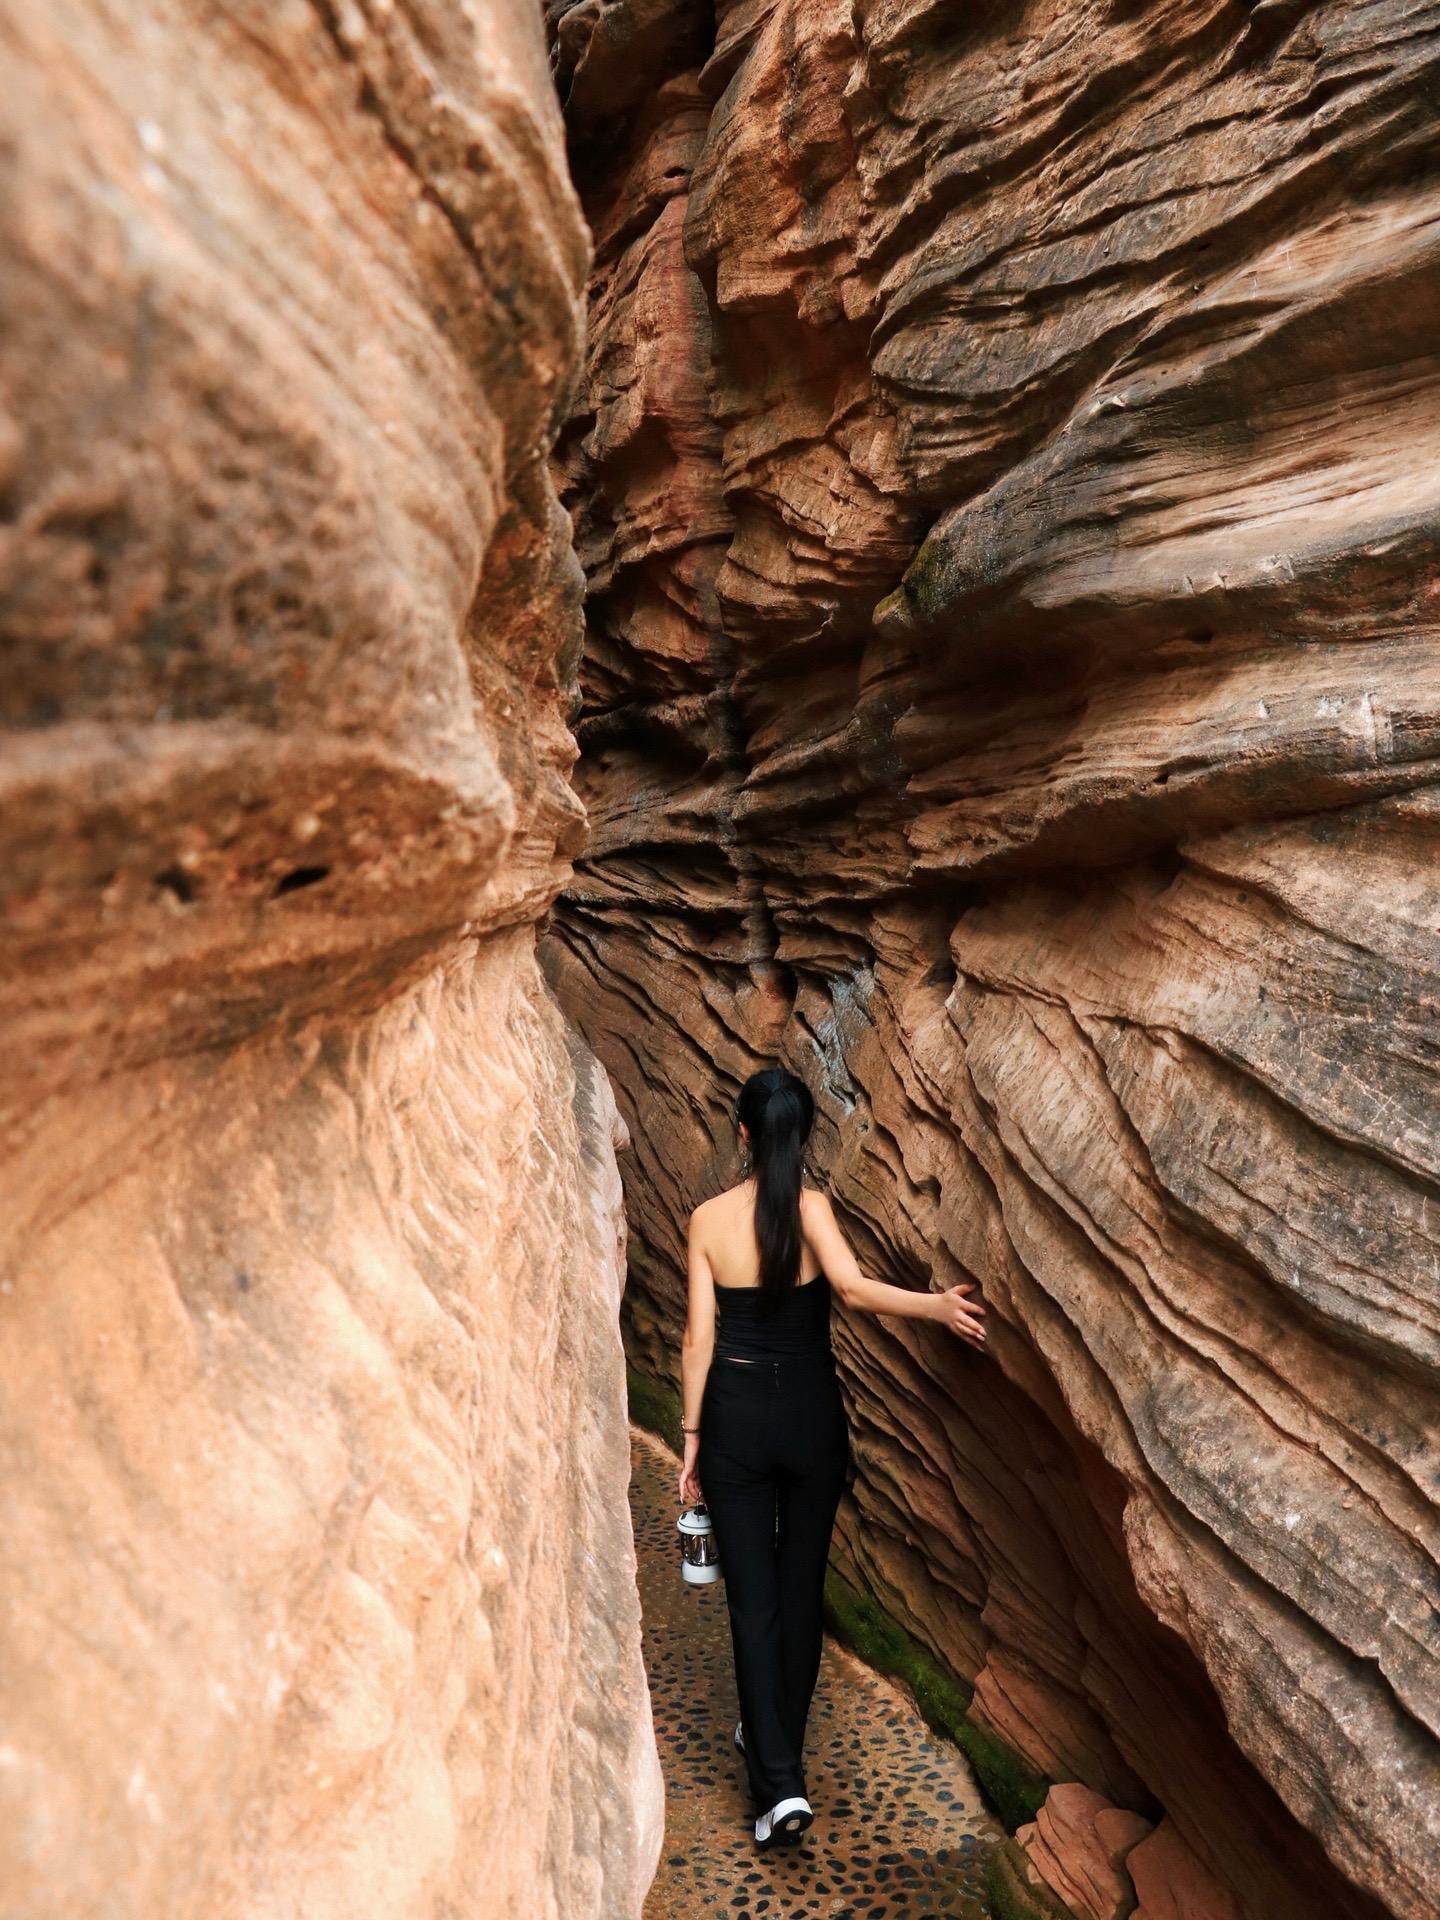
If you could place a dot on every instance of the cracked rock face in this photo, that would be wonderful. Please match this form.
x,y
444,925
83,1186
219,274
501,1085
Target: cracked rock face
x,y
317,1592
1004,479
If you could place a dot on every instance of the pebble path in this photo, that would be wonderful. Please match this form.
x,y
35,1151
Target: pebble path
x,y
900,1830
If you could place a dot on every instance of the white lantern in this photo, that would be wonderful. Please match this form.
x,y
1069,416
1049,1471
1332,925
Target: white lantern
x,y
699,1557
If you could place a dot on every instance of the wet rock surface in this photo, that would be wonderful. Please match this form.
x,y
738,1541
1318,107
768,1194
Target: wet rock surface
x,y
1002,478
900,1828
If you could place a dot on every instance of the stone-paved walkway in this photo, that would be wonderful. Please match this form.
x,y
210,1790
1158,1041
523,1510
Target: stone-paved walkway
x,y
900,1831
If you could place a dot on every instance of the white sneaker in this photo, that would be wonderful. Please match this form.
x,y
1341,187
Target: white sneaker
x,y
740,1735
786,1821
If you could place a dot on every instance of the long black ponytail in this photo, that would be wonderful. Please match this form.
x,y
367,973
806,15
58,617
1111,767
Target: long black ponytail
x,y
777,1109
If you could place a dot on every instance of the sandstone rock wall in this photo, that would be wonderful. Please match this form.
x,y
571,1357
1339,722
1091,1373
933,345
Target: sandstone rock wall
x,y
1005,481
317,1588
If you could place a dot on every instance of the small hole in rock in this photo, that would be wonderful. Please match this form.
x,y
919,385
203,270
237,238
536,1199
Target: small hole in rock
x,y
300,877
175,880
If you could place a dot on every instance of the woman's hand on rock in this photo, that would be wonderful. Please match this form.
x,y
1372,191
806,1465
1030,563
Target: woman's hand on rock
x,y
963,1317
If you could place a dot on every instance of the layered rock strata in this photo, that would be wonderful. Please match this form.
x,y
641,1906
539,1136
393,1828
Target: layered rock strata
x,y
1003,478
317,1589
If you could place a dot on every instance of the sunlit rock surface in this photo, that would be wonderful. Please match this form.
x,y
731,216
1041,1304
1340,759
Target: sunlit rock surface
x,y
317,1585
1005,479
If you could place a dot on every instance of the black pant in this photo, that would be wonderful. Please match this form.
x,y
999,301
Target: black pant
x,y
773,1462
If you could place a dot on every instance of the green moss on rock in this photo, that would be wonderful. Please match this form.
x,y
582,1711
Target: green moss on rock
x,y
1011,1895
1012,1787
654,1405
882,1643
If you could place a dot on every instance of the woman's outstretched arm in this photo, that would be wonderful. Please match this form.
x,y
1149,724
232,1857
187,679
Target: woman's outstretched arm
x,y
863,1295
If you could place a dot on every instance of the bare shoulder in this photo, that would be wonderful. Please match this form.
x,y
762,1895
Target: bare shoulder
x,y
815,1204
715,1204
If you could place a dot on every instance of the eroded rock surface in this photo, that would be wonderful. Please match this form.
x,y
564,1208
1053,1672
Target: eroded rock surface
x,y
1004,479
317,1592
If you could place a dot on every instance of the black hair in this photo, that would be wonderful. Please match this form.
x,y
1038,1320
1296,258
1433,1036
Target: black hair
x,y
778,1110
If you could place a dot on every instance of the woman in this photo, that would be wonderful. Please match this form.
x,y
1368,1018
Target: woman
x,y
765,1429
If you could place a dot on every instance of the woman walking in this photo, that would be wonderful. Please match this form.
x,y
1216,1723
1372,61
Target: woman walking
x,y
765,1430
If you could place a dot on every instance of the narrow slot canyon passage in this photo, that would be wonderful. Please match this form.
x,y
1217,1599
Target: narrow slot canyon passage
x,y
900,1827
1003,474
556,553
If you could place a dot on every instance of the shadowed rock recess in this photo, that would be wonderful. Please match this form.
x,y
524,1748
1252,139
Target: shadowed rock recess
x,y
317,1591
1005,476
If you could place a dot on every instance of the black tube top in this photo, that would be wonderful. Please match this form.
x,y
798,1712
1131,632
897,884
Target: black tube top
x,y
799,1323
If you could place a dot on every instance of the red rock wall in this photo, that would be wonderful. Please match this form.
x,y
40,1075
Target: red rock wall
x,y
1005,481
317,1589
